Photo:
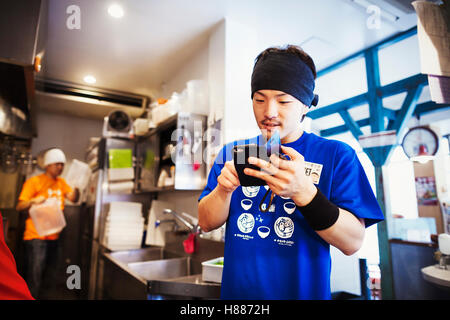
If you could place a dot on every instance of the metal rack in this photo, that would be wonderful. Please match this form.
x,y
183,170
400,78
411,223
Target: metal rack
x,y
148,161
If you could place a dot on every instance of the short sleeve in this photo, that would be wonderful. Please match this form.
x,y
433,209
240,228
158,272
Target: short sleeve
x,y
28,190
351,189
214,173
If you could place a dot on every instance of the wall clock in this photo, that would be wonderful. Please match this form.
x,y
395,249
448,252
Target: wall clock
x,y
420,143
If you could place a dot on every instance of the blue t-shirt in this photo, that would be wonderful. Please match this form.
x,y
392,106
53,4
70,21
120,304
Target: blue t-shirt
x,y
276,254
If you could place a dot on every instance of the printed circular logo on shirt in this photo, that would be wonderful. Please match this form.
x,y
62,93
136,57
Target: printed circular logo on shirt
x,y
284,227
250,191
246,222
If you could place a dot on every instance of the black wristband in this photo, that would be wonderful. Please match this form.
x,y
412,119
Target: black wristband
x,y
320,213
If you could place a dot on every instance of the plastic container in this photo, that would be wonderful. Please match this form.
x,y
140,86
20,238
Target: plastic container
x,y
212,270
78,174
47,217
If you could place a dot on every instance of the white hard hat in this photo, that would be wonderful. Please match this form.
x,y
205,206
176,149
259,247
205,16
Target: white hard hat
x,y
54,156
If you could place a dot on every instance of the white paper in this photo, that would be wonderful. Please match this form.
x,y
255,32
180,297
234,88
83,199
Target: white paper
x,y
121,187
120,174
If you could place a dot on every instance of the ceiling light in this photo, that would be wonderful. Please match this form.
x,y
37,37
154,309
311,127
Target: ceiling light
x,y
89,79
115,11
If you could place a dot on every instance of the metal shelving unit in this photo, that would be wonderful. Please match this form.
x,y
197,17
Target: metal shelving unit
x,y
148,161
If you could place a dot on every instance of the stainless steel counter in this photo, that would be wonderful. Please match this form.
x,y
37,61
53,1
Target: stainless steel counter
x,y
188,286
160,273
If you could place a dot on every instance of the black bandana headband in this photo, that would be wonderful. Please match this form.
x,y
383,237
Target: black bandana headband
x,y
285,72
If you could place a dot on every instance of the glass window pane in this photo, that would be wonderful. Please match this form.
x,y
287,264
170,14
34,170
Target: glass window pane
x,y
342,83
330,121
399,61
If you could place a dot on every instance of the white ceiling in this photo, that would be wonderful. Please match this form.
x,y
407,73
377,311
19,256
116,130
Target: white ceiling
x,y
146,47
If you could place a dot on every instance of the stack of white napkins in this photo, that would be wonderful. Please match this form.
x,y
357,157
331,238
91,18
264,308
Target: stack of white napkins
x,y
121,180
124,226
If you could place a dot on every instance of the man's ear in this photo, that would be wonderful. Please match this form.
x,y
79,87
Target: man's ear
x,y
305,110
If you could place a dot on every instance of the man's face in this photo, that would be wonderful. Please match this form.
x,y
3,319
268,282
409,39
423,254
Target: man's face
x,y
55,169
276,110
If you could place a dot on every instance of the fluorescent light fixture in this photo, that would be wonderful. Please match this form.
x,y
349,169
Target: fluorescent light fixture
x,y
386,15
90,79
115,11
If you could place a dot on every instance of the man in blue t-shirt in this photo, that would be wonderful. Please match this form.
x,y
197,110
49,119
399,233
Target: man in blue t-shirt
x,y
280,249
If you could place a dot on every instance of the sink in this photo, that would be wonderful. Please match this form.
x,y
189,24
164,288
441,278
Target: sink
x,y
162,269
119,281
145,254
154,272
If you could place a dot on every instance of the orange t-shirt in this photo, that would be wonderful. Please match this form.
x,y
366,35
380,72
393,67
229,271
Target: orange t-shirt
x,y
42,185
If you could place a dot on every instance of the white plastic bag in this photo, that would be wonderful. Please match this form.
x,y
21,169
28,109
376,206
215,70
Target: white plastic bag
x,y
47,217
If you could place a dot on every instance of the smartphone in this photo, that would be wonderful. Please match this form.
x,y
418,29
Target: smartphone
x,y
240,157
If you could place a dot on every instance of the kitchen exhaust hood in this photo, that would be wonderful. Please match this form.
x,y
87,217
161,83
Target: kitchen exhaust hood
x,y
88,102
16,99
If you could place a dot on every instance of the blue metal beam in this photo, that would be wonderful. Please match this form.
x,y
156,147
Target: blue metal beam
x,y
351,124
407,110
403,85
338,106
421,109
384,91
357,55
390,114
341,129
429,107
373,84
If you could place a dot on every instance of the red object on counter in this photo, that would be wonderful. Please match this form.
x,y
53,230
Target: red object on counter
x,y
196,166
189,243
12,285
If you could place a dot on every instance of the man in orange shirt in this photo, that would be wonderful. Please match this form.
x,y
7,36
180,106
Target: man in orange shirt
x,y
40,250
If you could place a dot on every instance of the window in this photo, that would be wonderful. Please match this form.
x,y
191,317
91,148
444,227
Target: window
x,y
342,83
400,60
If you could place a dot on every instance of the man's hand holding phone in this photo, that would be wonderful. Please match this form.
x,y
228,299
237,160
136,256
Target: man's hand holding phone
x,y
228,179
285,178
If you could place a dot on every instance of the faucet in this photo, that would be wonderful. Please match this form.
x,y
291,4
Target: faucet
x,y
192,228
159,222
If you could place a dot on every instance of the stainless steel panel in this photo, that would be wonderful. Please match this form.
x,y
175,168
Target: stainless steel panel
x,y
186,287
161,269
19,19
93,270
13,120
118,283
